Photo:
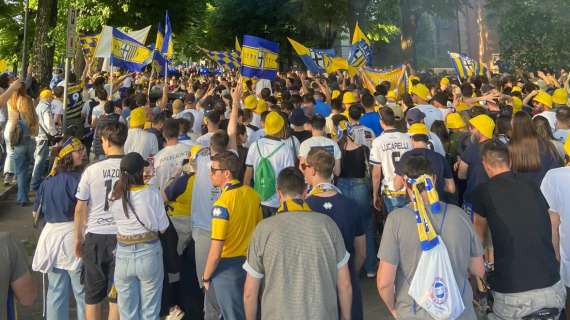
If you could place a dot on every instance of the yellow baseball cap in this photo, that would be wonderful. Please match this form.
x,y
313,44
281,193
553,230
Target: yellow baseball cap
x,y
274,123
46,94
348,98
454,121
444,81
560,96
517,104
137,118
250,102
543,98
484,124
421,91
418,128
516,89
462,106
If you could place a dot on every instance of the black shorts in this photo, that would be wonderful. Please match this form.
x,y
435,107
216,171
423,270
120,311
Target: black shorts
x,y
98,253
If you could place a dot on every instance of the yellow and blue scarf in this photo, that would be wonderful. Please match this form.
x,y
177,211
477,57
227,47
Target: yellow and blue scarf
x,y
294,205
70,145
426,232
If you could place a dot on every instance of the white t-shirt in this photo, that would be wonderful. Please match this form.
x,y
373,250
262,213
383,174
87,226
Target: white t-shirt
x,y
253,136
203,193
321,143
387,149
98,111
283,158
555,189
141,142
167,163
198,120
56,107
95,187
204,139
432,114
149,208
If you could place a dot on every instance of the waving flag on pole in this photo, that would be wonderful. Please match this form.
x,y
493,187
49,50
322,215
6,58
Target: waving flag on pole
x,y
259,58
127,53
238,47
167,44
361,51
226,59
316,60
159,38
466,67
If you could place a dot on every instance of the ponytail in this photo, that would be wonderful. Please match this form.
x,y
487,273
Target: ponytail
x,y
122,187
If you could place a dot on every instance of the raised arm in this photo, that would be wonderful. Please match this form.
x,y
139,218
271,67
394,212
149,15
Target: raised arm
x,y
233,122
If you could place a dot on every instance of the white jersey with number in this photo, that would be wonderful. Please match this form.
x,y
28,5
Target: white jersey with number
x,y
387,149
95,187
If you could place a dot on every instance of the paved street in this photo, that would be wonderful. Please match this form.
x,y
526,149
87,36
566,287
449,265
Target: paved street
x,y
18,220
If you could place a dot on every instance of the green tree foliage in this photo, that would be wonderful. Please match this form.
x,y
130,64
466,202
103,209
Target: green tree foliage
x,y
11,30
533,34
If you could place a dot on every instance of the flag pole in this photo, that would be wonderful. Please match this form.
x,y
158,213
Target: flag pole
x,y
150,81
111,78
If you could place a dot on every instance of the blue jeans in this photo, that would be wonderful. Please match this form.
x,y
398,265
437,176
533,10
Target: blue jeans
x,y
359,191
393,203
139,273
23,155
40,163
60,284
228,281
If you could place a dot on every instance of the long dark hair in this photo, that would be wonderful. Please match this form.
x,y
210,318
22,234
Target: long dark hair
x,y
122,186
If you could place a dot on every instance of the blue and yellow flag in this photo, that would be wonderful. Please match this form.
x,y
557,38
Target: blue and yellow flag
x,y
465,67
361,50
167,43
316,60
88,44
259,58
159,38
127,53
226,59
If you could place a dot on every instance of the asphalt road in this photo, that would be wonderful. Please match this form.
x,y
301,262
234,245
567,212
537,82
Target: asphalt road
x,y
18,220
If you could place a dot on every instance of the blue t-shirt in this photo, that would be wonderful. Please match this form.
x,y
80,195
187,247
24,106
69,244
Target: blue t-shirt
x,y
439,165
57,197
371,120
341,210
476,174
322,109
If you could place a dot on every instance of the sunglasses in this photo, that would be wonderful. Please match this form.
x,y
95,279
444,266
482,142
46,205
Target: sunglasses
x,y
213,170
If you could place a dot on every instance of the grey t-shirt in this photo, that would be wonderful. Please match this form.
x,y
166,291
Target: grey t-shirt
x,y
400,246
14,265
298,255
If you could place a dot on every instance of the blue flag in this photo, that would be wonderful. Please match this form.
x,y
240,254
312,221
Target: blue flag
x,y
316,60
167,44
127,53
259,58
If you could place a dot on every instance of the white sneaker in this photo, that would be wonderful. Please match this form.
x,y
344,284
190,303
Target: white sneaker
x,y
175,314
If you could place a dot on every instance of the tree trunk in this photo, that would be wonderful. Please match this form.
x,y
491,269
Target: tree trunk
x,y
43,47
408,32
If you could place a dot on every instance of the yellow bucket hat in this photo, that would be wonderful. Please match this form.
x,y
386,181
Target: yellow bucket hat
x,y
421,91
250,102
544,98
484,124
418,128
348,98
560,96
46,94
454,121
137,118
462,106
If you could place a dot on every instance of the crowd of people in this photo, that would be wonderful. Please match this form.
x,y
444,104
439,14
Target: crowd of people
x,y
202,196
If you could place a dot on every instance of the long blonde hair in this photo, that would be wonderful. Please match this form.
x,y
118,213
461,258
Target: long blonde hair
x,y
23,104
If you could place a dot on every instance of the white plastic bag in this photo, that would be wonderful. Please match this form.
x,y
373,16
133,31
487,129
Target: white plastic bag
x,y
434,287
